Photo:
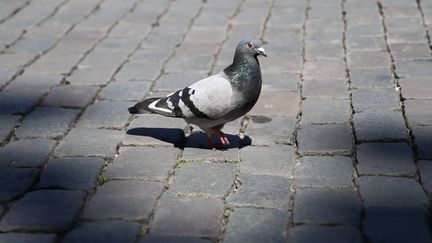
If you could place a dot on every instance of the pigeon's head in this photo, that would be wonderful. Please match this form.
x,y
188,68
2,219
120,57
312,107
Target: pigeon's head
x,y
252,47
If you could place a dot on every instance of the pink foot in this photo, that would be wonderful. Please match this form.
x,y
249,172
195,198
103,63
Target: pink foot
x,y
224,139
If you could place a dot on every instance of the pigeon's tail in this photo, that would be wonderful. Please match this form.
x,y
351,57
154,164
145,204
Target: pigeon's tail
x,y
142,107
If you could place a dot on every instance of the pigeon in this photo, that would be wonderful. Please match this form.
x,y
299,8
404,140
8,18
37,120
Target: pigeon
x,y
213,101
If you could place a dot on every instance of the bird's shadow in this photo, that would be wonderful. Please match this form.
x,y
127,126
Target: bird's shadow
x,y
178,138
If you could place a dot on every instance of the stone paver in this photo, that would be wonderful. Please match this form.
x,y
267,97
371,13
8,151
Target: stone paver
x,y
15,182
326,206
317,110
377,99
256,225
130,200
26,153
7,125
172,239
130,90
70,96
276,103
343,121
96,114
425,169
104,231
417,112
403,224
261,130
262,191
416,87
385,159
328,171
147,163
203,178
188,217
325,88
27,238
89,142
73,173
273,160
46,122
388,192
200,155
324,138
46,210
314,233
380,125
422,140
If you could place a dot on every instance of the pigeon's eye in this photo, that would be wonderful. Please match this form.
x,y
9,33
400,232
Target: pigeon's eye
x,y
249,45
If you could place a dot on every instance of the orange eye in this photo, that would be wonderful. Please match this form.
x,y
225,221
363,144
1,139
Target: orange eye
x,y
249,45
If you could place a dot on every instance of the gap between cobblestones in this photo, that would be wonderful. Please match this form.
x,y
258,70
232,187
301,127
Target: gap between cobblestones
x,y
15,11
351,118
428,34
297,153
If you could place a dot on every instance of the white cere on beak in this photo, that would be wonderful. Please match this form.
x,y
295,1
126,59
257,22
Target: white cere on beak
x,y
261,51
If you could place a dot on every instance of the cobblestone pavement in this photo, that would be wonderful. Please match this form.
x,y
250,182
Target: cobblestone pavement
x,y
338,149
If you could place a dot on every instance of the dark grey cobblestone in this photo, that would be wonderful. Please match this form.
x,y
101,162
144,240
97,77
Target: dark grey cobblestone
x,y
262,191
72,173
46,122
203,178
415,87
95,115
124,199
171,239
70,96
324,138
314,233
417,112
422,139
273,160
200,217
15,182
89,142
128,90
391,192
27,238
260,130
7,125
385,159
386,224
324,171
425,170
104,231
377,99
380,125
26,153
256,225
316,110
326,206
325,88
46,210
146,163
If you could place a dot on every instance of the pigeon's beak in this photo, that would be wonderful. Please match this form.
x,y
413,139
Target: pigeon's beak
x,y
261,51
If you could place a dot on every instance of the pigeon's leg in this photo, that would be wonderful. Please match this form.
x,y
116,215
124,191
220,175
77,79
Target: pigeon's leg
x,y
210,143
222,137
